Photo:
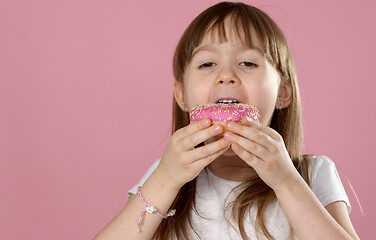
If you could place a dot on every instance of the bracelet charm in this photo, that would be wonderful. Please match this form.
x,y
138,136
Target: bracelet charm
x,y
150,209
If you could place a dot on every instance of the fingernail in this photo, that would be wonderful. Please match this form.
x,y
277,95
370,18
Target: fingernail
x,y
217,127
227,135
206,121
249,119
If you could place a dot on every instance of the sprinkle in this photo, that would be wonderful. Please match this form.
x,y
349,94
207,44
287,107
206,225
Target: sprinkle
x,y
224,112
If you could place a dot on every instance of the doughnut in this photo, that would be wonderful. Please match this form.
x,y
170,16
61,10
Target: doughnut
x,y
222,113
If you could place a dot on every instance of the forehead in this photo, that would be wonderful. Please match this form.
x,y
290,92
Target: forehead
x,y
232,31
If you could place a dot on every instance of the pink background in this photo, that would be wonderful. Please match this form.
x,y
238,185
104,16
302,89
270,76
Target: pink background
x,y
73,74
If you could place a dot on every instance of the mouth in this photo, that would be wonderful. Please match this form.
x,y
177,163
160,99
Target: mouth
x,y
228,101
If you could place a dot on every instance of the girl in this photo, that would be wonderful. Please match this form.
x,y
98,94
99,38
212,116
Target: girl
x,y
254,182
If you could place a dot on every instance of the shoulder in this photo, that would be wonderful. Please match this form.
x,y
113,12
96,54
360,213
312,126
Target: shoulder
x,y
320,167
315,164
321,162
325,181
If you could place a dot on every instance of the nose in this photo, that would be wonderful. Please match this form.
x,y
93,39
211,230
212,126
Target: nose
x,y
228,77
227,82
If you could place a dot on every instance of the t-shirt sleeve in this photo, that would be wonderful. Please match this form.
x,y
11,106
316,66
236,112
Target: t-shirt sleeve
x,y
326,183
133,190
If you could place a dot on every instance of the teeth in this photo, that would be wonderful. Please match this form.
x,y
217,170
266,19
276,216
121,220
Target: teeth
x,y
227,101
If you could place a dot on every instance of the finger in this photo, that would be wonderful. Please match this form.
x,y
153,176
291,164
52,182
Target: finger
x,y
248,145
194,126
250,159
246,121
208,150
200,164
190,141
252,133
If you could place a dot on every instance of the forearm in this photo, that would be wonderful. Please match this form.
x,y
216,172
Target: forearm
x,y
309,219
123,226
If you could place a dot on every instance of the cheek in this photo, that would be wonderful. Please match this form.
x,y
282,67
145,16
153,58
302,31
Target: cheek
x,y
196,90
264,99
267,109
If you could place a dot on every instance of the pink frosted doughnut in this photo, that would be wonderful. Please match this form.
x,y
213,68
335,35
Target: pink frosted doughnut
x,y
222,113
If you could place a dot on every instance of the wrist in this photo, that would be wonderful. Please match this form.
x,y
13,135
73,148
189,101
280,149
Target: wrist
x,y
155,196
163,181
290,182
158,192
150,209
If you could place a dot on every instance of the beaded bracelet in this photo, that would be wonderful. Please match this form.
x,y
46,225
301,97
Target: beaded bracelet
x,y
150,209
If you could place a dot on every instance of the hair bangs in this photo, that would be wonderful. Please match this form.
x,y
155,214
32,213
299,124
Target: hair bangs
x,y
234,24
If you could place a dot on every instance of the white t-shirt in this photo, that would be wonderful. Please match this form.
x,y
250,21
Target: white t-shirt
x,y
212,194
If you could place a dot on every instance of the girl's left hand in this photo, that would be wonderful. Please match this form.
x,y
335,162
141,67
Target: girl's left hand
x,y
263,149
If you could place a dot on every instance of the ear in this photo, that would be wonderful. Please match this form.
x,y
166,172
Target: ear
x,y
284,94
179,95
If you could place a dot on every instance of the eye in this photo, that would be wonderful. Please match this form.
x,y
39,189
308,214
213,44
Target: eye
x,y
207,65
248,64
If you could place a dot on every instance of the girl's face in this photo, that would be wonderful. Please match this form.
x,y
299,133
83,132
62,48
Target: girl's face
x,y
231,70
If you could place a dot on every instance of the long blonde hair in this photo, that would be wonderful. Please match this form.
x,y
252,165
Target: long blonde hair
x,y
287,122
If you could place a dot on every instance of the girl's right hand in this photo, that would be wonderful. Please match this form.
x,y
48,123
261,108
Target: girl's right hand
x,y
181,162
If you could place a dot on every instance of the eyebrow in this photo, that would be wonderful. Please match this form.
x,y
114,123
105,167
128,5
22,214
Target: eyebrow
x,y
202,48
210,49
259,50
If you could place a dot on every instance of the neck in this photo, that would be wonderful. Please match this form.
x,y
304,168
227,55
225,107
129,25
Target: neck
x,y
232,168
